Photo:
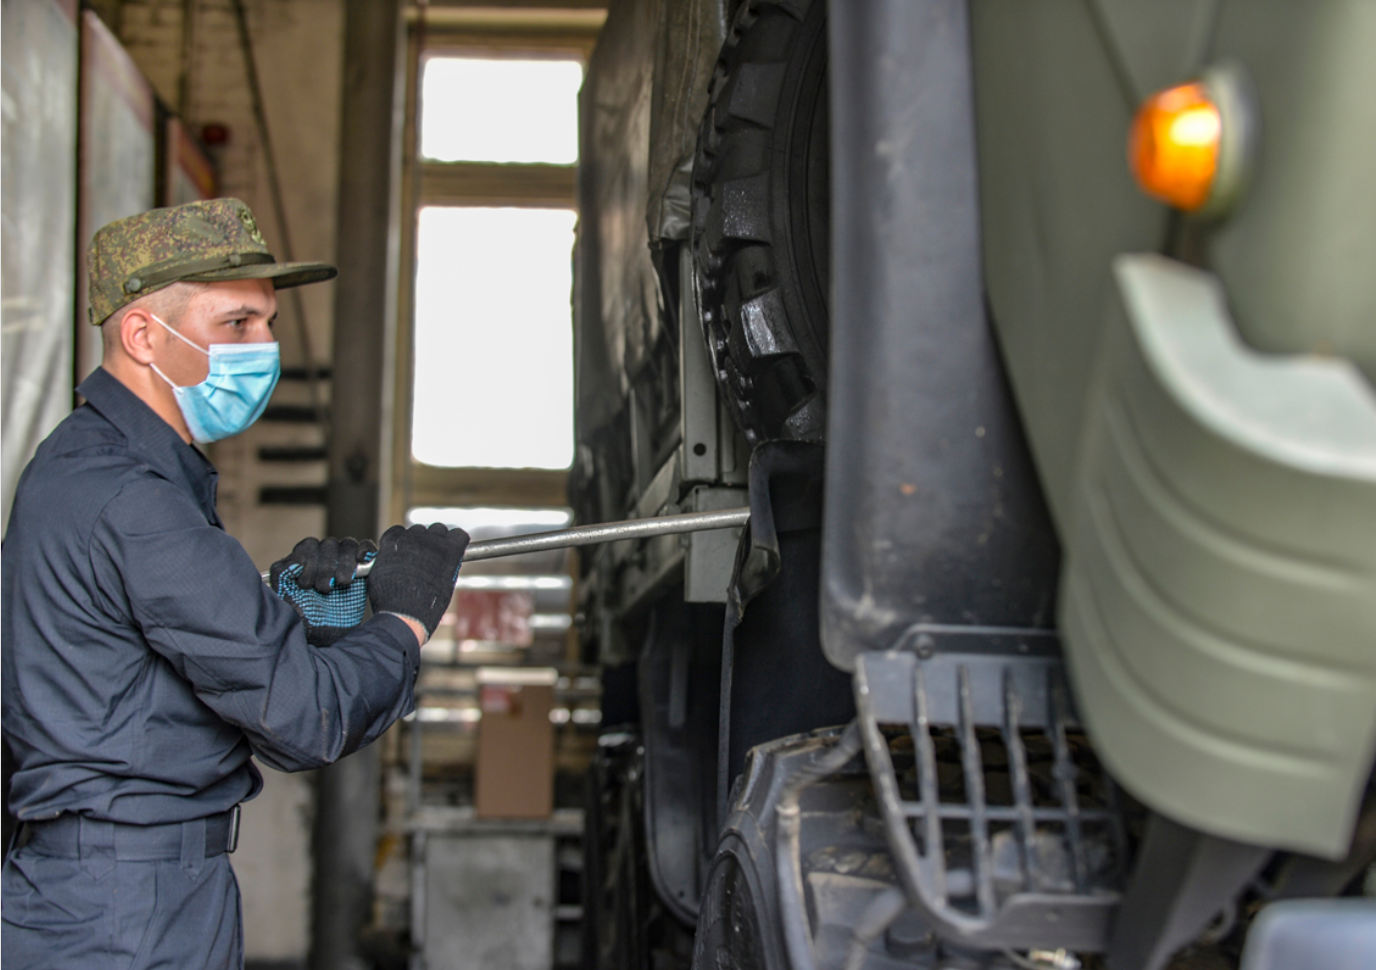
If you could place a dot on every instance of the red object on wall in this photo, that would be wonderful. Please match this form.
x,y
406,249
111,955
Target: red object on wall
x,y
189,176
492,615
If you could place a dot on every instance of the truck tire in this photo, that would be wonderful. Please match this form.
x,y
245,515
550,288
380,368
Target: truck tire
x,y
844,865
761,233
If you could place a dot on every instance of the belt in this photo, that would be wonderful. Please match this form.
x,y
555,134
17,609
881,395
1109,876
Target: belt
x,y
78,837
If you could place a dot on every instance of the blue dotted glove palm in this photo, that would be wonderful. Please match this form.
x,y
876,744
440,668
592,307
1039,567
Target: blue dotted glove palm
x,y
318,579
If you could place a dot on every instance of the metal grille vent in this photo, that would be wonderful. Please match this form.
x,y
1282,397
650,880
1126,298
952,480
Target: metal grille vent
x,y
1005,830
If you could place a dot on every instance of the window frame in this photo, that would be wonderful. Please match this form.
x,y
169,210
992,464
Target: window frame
x,y
457,32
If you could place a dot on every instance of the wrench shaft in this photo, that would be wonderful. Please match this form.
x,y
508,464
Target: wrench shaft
x,y
590,535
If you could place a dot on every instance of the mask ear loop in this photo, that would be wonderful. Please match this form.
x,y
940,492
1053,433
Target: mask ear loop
x,y
187,340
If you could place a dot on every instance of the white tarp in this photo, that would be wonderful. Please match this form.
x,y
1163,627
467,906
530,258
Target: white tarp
x,y
117,156
39,212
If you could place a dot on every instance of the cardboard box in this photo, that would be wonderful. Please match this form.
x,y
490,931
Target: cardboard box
x,y
515,770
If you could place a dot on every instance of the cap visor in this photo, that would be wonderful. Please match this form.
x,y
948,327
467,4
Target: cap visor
x,y
282,275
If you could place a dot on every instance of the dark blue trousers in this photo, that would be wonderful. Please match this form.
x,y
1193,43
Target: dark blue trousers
x,y
94,907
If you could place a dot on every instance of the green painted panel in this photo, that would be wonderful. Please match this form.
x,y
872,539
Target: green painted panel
x,y
1219,592
1158,44
1298,257
1057,203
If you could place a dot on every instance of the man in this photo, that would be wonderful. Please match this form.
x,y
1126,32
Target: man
x,y
144,660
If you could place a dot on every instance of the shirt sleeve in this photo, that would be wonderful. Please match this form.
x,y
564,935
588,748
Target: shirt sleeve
x,y
203,606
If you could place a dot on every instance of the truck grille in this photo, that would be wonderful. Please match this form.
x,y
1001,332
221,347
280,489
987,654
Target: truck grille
x,y
1005,831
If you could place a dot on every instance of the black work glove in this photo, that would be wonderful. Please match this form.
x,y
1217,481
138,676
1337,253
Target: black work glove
x,y
415,572
318,579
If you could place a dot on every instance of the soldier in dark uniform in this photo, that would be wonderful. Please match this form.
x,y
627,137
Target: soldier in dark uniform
x,y
144,660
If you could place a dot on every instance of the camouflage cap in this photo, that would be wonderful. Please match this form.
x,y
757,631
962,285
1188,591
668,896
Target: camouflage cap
x,y
200,242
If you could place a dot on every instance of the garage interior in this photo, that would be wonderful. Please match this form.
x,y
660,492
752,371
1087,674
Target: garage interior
x,y
1031,343
341,125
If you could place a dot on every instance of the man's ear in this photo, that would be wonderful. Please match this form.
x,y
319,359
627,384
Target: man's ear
x,y
136,334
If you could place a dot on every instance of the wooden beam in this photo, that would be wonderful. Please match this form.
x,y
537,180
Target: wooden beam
x,y
554,11
487,27
511,487
472,183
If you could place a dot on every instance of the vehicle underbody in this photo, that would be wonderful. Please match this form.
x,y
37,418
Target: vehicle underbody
x,y
863,731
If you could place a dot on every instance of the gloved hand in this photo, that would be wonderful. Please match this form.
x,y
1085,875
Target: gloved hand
x,y
415,572
318,579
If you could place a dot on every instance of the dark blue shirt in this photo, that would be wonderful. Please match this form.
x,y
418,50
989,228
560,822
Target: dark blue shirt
x,y
144,659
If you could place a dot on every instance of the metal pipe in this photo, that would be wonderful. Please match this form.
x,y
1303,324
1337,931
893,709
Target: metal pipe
x,y
589,535
344,840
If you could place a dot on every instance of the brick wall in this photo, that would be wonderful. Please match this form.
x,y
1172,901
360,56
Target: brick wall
x,y
298,47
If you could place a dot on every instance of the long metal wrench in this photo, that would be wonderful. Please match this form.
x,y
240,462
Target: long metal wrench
x,y
591,535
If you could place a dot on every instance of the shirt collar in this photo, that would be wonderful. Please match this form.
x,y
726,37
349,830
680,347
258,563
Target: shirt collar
x,y
151,437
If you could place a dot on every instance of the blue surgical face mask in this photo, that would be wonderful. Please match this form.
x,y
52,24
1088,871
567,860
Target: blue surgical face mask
x,y
234,393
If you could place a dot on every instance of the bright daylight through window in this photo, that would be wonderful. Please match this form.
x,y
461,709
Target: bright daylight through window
x,y
485,110
493,323
494,338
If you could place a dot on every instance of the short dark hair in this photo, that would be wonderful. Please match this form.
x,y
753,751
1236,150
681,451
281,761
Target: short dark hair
x,y
169,303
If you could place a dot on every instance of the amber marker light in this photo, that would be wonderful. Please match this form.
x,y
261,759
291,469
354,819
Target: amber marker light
x,y
1174,146
1193,146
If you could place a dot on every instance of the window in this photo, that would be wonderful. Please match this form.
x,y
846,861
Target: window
x,y
493,338
500,110
492,343
492,523
485,350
